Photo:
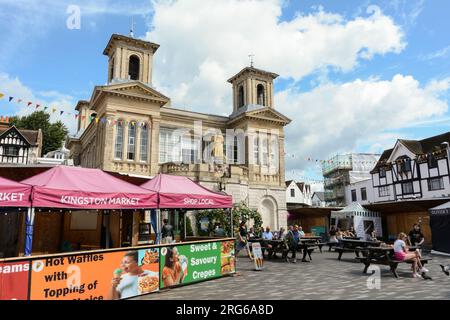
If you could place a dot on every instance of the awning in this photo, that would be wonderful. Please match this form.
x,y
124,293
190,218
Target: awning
x,y
81,188
354,209
14,194
182,192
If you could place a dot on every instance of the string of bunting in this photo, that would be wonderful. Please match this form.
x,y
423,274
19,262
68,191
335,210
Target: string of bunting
x,y
53,109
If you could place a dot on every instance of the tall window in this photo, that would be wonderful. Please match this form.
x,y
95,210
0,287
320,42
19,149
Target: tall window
x,y
383,191
274,151
144,143
292,192
407,187
256,149
170,146
131,150
111,72
133,67
382,172
235,150
354,196
432,161
240,96
118,154
189,150
435,184
265,151
260,94
404,165
363,194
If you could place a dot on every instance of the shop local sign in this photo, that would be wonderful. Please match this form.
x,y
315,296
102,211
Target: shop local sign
x,y
200,201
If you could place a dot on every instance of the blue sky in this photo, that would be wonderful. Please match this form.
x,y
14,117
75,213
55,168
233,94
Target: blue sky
x,y
408,62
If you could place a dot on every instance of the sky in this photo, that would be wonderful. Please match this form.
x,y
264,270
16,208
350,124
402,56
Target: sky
x,y
354,76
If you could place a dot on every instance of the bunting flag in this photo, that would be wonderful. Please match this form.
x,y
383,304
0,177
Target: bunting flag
x,y
61,112
29,104
37,105
96,120
45,108
53,110
10,98
1,95
76,116
19,101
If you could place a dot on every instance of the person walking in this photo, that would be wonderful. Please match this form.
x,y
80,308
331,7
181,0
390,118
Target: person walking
x,y
167,232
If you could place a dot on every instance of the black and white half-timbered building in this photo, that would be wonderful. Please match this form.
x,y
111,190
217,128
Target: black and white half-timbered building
x,y
19,146
413,169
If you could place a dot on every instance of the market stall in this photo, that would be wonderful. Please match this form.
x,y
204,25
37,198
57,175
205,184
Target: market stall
x,y
361,219
177,192
80,189
108,273
440,228
14,202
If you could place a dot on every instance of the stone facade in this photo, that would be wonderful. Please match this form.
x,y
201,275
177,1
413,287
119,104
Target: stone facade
x,y
129,127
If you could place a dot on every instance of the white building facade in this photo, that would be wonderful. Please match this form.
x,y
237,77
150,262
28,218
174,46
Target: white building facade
x,y
413,170
298,193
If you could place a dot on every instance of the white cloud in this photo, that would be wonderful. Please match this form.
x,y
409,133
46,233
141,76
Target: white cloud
x,y
439,54
337,117
13,87
205,43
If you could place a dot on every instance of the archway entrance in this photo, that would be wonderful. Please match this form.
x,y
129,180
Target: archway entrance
x,y
268,211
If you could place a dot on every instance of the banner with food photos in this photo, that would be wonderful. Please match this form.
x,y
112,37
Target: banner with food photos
x,y
117,274
188,263
95,276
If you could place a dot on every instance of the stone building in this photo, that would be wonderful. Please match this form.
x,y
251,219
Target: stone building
x,y
129,127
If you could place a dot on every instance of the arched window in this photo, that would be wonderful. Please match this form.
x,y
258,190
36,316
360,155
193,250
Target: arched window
x,y
118,149
133,68
260,94
131,149
111,72
240,96
144,143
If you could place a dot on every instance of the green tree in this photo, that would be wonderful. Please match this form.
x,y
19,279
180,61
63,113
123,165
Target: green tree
x,y
53,134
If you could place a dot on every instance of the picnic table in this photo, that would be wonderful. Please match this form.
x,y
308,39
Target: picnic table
x,y
352,238
276,246
313,241
385,256
356,246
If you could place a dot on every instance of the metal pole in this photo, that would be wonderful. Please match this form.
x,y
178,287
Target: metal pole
x,y
231,218
107,216
29,228
184,212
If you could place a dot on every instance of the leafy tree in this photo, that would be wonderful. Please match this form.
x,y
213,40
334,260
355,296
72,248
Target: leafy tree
x,y
53,134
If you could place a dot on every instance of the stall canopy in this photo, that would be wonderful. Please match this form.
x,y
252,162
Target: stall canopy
x,y
181,192
440,228
14,194
81,188
363,220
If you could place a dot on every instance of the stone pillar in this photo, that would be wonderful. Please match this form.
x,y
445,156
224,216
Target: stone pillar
x,y
154,146
281,164
137,142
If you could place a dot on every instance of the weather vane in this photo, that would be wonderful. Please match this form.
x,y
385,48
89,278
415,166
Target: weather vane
x,y
251,59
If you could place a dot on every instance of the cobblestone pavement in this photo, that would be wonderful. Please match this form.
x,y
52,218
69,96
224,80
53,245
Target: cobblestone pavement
x,y
323,278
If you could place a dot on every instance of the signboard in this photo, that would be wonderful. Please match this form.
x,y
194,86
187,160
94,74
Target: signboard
x,y
190,263
258,257
14,280
96,276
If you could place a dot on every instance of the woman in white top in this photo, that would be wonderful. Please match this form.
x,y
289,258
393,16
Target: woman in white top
x,y
401,252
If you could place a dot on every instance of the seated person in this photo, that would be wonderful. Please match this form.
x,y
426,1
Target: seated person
x,y
401,252
281,234
351,232
301,233
339,234
333,235
251,233
267,235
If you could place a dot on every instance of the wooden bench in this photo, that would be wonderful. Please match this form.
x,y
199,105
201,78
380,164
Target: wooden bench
x,y
385,256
